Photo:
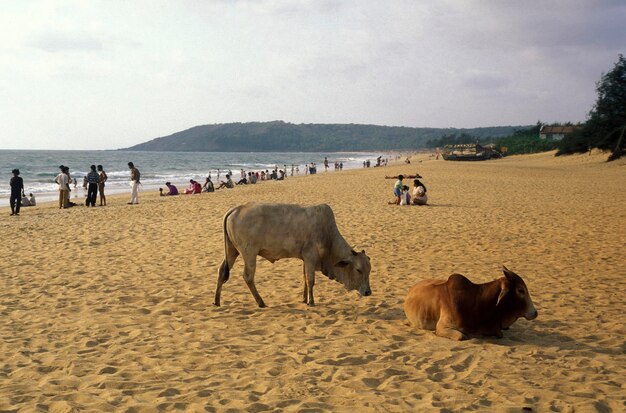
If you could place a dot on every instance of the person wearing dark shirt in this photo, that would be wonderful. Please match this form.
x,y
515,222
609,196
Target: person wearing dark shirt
x,y
17,191
93,179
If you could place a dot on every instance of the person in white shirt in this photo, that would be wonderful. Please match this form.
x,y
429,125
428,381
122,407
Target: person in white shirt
x,y
63,181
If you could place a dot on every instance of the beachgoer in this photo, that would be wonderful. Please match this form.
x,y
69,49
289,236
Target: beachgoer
x,y
191,188
32,200
17,191
340,166
397,190
135,181
25,201
103,179
172,190
416,176
419,193
243,181
208,185
62,179
405,198
325,164
93,179
227,184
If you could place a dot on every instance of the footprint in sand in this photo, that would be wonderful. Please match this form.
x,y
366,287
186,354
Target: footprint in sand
x,y
169,392
108,370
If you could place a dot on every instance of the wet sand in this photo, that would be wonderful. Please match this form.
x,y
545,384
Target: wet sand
x,y
110,309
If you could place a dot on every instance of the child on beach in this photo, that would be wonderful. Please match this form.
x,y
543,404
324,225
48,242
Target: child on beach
x,y
397,191
405,197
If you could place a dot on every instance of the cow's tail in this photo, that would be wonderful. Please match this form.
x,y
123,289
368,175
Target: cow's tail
x,y
224,271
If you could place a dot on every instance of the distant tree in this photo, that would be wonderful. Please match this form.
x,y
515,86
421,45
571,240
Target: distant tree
x,y
606,121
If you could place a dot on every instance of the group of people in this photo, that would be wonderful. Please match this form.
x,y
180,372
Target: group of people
x,y
405,196
94,182
194,187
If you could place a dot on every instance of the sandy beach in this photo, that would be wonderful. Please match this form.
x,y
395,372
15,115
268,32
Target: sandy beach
x,y
110,308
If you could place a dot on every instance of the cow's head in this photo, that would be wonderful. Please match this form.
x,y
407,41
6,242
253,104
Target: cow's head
x,y
354,272
514,299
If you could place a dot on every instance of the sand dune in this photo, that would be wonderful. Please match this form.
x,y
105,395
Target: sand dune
x,y
110,309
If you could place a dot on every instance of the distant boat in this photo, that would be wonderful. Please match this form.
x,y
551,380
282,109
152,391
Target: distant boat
x,y
469,152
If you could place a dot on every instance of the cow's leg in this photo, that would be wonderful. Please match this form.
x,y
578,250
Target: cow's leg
x,y
443,329
309,281
249,269
224,271
305,293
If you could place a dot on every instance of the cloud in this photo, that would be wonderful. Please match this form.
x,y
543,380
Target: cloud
x,y
55,42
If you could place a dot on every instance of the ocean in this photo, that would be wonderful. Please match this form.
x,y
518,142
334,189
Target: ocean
x,y
39,167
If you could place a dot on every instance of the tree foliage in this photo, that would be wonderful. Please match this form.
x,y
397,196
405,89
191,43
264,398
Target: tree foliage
x,y
606,121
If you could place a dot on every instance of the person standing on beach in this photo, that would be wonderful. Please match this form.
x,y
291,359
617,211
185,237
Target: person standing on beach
x,y
103,179
135,177
17,192
93,179
63,180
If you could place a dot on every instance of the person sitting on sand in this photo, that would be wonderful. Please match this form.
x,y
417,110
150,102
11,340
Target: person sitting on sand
x,y
194,188
405,197
208,185
32,200
243,181
419,193
397,191
227,184
189,189
172,190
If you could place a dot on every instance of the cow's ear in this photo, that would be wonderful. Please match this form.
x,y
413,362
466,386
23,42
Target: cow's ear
x,y
510,275
342,263
354,252
504,291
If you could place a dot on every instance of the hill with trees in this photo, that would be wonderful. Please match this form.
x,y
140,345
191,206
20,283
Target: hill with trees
x,y
279,136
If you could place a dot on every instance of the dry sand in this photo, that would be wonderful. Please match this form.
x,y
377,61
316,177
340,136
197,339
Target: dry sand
x,y
110,309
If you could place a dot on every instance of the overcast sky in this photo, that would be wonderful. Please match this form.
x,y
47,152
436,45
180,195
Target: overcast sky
x,y
111,74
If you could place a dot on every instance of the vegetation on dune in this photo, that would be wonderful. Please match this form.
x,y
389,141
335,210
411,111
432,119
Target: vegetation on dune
x,y
606,122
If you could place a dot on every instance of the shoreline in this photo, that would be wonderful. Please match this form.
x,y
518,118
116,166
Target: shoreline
x,y
118,180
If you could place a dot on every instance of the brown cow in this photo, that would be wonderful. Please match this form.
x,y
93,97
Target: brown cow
x,y
276,231
456,308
